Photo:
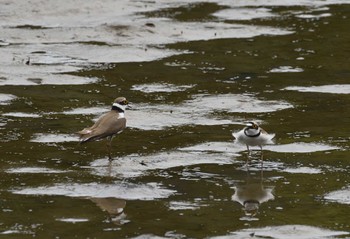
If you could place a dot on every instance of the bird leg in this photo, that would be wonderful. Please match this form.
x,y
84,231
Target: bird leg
x,y
248,149
109,145
261,157
248,155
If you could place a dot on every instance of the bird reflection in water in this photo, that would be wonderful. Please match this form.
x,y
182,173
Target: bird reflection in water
x,y
114,207
252,194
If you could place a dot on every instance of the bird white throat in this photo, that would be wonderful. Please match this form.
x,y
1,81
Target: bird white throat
x,y
122,107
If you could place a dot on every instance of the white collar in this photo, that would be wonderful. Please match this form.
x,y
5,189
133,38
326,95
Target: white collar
x,y
122,107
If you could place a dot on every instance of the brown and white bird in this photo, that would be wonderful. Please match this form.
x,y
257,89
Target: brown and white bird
x,y
107,126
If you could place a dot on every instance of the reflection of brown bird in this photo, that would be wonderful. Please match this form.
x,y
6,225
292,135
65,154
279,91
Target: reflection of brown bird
x,y
113,206
107,125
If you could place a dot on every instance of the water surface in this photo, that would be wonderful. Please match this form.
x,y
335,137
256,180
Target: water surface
x,y
194,71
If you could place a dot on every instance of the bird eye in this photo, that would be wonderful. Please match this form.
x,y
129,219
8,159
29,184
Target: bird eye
x,y
125,102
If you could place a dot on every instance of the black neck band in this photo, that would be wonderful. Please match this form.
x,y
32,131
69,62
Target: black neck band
x,y
251,201
252,136
117,109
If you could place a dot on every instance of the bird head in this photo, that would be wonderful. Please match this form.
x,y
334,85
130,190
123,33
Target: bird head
x,y
252,125
121,103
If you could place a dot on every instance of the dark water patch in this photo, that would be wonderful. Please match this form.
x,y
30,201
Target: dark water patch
x,y
31,27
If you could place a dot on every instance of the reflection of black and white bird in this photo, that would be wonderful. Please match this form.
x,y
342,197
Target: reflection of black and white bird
x,y
107,126
252,194
253,135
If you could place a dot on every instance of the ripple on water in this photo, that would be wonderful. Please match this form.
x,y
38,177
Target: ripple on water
x,y
332,89
306,170
53,138
160,87
191,112
86,111
35,170
6,99
72,220
167,117
182,205
136,165
245,13
286,232
314,16
234,103
232,147
22,115
46,79
300,147
122,190
286,69
340,196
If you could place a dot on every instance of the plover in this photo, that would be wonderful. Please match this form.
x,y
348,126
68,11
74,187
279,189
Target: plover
x,y
253,135
107,126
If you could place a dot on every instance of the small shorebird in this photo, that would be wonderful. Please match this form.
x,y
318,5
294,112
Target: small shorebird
x,y
107,126
253,135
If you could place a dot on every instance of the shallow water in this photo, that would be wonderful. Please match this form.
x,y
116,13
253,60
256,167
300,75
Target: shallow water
x,y
194,72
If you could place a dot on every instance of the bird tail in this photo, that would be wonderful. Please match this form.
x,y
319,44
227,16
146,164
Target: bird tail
x,y
85,135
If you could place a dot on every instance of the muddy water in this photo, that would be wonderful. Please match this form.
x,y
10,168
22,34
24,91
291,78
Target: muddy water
x,y
194,72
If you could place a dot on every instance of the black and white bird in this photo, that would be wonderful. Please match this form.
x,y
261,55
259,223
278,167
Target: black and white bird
x,y
253,135
107,126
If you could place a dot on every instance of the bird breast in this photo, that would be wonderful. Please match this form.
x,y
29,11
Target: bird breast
x,y
121,115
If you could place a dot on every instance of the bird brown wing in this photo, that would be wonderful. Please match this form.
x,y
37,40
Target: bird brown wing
x,y
107,125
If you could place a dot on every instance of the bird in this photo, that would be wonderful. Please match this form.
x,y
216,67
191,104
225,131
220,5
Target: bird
x,y
253,135
107,126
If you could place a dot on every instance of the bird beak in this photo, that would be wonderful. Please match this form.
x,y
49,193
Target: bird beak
x,y
129,106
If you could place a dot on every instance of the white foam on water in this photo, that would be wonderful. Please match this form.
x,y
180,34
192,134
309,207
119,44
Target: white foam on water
x,y
244,13
181,205
285,231
233,148
234,103
8,232
72,220
53,138
86,111
59,38
286,69
151,236
151,118
219,147
191,112
300,147
265,3
6,99
314,16
35,170
42,78
127,191
22,115
331,89
305,170
195,111
136,165
340,196
160,87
